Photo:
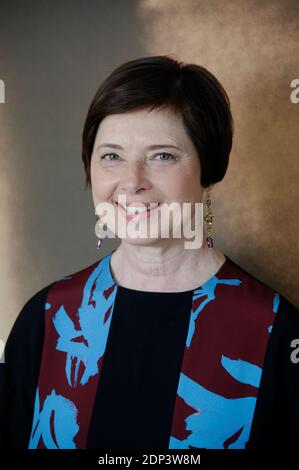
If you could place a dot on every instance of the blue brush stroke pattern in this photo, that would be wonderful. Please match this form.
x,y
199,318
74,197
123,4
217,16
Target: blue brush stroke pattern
x,y
276,301
242,371
65,425
93,328
217,418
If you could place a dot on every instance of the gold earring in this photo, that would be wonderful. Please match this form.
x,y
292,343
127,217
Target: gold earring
x,y
208,219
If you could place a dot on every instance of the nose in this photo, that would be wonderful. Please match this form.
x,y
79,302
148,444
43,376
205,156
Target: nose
x,y
134,178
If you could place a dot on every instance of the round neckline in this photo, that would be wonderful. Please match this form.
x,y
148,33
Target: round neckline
x,y
123,288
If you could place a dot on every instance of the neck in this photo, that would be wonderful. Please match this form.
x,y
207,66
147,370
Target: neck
x,y
157,266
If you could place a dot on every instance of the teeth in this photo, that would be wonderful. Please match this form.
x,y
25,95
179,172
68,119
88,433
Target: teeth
x,y
154,205
134,210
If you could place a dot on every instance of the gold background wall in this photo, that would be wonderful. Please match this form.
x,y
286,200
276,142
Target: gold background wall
x,y
52,59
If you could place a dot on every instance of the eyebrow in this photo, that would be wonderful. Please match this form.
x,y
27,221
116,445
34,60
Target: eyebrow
x,y
150,147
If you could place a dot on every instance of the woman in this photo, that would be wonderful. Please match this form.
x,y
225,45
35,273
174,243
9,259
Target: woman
x,y
156,345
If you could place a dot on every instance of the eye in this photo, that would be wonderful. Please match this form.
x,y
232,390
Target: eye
x,y
107,155
168,154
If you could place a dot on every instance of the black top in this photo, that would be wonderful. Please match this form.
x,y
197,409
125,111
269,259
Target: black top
x,y
140,397
141,370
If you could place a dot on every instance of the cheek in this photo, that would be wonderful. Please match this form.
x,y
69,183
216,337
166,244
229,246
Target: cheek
x,y
185,181
185,187
102,186
96,183
96,187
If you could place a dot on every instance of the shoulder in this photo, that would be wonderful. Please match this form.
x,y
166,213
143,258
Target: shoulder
x,y
28,328
253,289
20,367
246,299
258,303
249,284
276,418
272,321
26,335
24,348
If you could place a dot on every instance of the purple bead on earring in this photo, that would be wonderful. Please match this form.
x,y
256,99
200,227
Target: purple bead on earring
x,y
99,231
210,242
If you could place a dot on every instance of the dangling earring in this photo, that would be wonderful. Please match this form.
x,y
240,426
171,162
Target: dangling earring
x,y
99,231
208,219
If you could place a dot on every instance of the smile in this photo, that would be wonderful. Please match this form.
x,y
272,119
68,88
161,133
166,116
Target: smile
x,y
140,212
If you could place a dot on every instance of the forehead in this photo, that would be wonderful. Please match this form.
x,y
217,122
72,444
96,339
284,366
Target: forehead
x,y
141,126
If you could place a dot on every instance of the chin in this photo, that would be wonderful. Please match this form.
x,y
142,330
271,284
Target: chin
x,y
141,241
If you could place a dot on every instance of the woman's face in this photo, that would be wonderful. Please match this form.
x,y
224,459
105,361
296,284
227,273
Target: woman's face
x,y
124,164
